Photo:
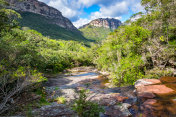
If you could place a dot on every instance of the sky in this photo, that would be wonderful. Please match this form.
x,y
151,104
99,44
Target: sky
x,y
81,12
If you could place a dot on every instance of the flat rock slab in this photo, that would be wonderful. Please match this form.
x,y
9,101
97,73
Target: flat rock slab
x,y
160,90
144,82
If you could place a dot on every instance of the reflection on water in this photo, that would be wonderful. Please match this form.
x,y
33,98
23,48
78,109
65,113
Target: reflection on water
x,y
104,81
86,74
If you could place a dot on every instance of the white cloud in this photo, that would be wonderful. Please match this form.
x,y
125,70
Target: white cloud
x,y
73,9
113,11
81,22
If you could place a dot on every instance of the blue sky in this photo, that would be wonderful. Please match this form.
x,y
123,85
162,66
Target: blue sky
x,y
81,12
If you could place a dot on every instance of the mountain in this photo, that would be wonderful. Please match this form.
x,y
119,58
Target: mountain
x,y
99,29
46,20
110,23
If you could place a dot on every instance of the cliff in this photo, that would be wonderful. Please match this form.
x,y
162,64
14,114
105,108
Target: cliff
x,y
41,8
110,23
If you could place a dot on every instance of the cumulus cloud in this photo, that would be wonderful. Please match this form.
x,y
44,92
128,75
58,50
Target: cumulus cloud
x,y
115,11
81,22
73,9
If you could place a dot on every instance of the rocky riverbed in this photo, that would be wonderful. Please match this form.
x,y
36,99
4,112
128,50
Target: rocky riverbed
x,y
148,98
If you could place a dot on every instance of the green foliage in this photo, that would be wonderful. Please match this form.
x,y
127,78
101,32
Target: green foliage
x,y
24,54
143,49
95,33
120,54
60,100
44,26
30,48
8,19
85,108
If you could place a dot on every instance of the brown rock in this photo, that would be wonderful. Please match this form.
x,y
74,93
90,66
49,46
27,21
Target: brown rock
x,y
146,95
160,90
121,98
168,79
144,82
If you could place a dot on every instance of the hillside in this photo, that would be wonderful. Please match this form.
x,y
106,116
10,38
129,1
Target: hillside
x,y
42,25
99,29
46,20
95,33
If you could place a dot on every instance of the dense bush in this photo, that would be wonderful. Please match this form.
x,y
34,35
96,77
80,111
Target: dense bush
x,y
30,48
144,48
121,53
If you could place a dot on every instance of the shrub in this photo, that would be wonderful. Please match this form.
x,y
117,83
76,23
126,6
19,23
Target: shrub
x,y
84,107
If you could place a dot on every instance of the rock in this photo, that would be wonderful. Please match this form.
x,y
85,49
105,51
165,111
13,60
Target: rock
x,y
147,108
156,97
53,110
111,112
41,8
105,22
124,109
121,98
145,95
106,99
151,90
131,100
144,82
168,79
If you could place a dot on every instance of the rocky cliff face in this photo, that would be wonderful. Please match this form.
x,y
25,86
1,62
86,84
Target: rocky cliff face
x,y
41,8
105,22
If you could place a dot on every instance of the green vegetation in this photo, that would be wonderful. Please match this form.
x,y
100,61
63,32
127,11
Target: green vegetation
x,y
95,33
25,55
144,49
86,108
60,100
46,28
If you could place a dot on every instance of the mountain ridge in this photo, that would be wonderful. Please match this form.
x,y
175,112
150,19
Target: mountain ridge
x,y
110,23
37,7
100,28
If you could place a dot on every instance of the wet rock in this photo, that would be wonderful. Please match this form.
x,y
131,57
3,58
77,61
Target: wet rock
x,y
157,97
112,112
144,82
121,98
131,101
124,109
168,79
151,90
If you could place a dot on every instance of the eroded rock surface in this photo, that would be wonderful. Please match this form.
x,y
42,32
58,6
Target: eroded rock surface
x,y
157,97
110,23
116,101
41,8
